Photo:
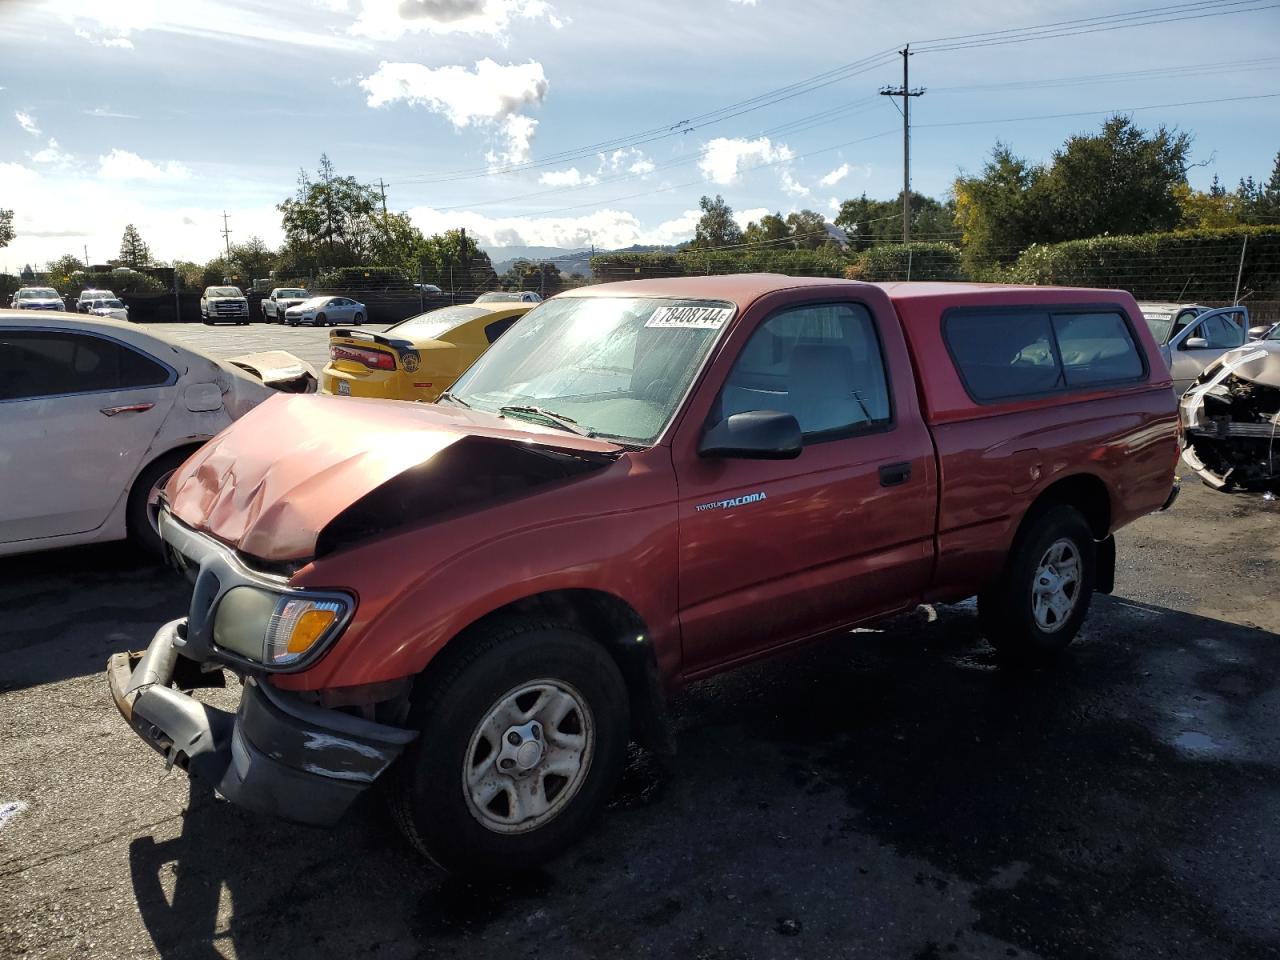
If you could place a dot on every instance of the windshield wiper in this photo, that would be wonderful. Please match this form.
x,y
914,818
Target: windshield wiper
x,y
453,399
550,416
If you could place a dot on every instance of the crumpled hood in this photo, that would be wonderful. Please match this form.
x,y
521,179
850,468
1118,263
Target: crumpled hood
x,y
269,483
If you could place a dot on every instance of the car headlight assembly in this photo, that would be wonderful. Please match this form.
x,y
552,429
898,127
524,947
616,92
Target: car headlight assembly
x,y
278,630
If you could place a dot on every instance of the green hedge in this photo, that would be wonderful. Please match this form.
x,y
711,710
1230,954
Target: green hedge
x,y
640,266
346,278
1186,265
910,261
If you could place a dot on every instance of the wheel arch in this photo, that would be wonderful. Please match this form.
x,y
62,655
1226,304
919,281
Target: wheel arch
x,y
610,621
1089,494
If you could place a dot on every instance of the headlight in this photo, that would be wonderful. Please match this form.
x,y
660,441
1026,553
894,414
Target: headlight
x,y
277,630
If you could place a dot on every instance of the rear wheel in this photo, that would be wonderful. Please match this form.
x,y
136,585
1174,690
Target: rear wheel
x,y
321,320
1036,608
144,501
523,735
358,319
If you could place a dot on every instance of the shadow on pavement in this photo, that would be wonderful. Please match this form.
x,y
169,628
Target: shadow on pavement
x,y
889,793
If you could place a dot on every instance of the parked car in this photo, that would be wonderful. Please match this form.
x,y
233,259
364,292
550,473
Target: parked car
x,y
1192,336
640,484
514,296
37,298
418,358
102,412
229,304
326,312
1231,418
281,299
88,295
114,308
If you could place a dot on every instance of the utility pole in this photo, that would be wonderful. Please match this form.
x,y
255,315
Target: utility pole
x,y
382,188
906,93
226,235
86,256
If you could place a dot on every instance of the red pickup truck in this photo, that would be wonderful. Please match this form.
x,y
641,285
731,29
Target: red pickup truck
x,y
479,602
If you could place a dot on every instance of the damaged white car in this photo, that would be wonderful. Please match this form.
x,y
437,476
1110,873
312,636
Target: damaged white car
x,y
1231,418
95,414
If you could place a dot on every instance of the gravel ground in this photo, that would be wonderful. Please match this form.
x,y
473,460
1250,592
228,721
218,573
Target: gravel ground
x,y
891,793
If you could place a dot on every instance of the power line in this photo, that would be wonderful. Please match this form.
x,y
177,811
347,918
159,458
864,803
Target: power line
x,y
906,92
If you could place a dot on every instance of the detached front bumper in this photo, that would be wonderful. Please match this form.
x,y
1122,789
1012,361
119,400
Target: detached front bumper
x,y
277,754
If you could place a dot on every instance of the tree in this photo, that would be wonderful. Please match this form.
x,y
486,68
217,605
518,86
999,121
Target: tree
x,y
1260,203
331,219
771,228
190,275
1216,208
1001,211
6,227
866,222
1119,181
807,229
28,275
396,242
253,258
62,270
716,228
133,252
454,261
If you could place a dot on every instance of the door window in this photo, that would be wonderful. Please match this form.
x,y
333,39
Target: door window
x,y
1221,333
1005,354
823,364
1096,348
48,364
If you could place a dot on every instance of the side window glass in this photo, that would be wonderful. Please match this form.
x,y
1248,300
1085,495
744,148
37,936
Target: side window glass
x,y
496,329
822,364
1096,348
46,364
1004,355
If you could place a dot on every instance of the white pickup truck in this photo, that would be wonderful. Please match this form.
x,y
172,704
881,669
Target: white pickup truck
x,y
281,299
224,303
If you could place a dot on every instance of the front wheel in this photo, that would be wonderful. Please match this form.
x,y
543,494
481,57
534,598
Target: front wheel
x,y
320,320
358,319
1036,608
523,735
143,507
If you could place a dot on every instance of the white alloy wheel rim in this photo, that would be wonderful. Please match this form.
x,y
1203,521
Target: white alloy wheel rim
x,y
528,756
1056,588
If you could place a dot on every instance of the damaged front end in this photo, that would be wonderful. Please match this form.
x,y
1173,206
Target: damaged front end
x,y
1231,420
279,370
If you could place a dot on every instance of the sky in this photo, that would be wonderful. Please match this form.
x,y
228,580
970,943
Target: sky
x,y
570,124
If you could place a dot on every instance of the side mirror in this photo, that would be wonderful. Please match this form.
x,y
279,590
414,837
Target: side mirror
x,y
756,434
1195,343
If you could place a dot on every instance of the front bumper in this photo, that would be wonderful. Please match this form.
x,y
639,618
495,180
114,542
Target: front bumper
x,y
278,754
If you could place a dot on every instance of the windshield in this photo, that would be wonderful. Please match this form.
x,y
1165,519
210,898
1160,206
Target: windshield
x,y
38,293
314,302
292,294
113,304
224,292
95,294
1160,323
1273,333
500,298
618,366
436,323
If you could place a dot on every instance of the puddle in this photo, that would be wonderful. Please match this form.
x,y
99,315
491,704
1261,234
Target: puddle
x,y
9,809
1195,742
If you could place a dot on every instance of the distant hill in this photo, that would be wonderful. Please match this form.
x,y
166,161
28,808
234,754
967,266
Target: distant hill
x,y
569,261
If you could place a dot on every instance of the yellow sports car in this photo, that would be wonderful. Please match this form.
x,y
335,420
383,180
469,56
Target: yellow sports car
x,y
418,358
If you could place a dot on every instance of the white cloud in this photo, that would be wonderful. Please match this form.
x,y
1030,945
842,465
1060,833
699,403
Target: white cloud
x,y
490,92
744,3
833,205
724,158
490,95
626,160
607,229
52,153
107,112
836,175
27,122
791,187
391,19
744,217
518,132
567,178
123,165
120,42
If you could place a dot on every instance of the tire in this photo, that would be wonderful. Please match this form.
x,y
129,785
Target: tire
x,y
429,794
1031,629
358,320
321,320
138,512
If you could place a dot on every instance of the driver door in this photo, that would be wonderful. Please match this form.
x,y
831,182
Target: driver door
x,y
774,551
1220,330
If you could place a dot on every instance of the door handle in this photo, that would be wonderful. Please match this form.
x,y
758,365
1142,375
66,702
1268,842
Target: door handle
x,y
127,408
893,474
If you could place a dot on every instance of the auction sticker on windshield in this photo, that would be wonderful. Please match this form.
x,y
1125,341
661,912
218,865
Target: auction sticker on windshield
x,y
694,318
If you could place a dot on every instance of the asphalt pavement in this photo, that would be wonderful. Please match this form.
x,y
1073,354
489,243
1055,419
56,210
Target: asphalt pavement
x,y
890,793
223,341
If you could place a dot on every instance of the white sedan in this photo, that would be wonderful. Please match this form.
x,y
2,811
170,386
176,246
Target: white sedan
x,y
95,414
326,312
